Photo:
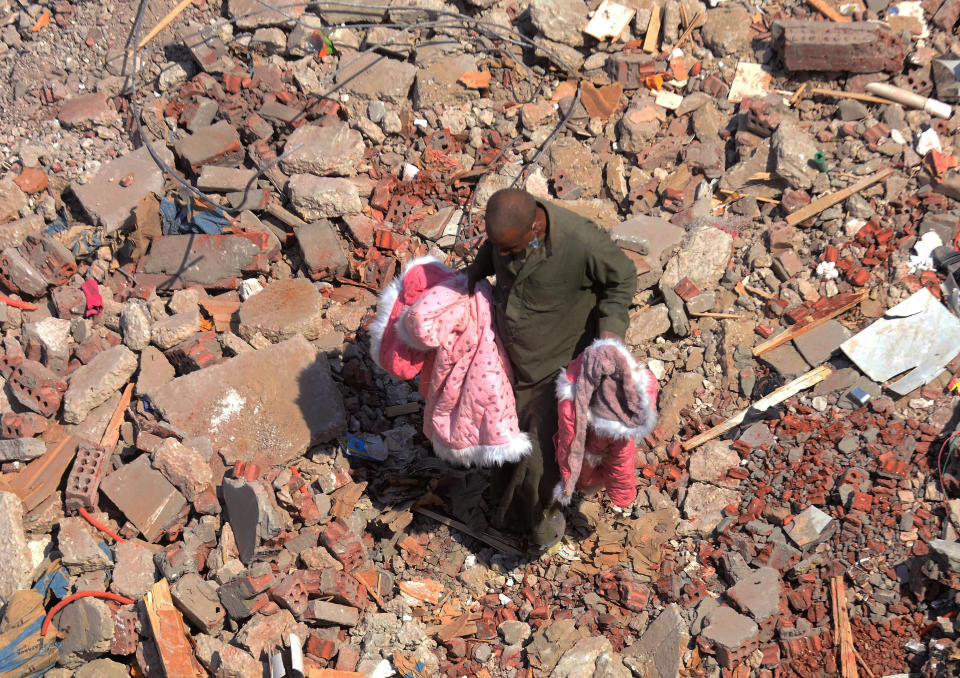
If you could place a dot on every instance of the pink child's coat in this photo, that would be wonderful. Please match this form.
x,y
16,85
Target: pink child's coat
x,y
428,324
609,459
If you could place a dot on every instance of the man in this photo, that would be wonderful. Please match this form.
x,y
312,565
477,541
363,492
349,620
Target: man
x,y
561,283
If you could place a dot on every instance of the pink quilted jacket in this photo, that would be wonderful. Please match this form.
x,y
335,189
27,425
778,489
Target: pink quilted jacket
x,y
605,400
428,324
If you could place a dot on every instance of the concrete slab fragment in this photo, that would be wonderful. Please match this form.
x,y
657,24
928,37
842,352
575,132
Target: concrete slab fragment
x,y
145,497
268,406
110,204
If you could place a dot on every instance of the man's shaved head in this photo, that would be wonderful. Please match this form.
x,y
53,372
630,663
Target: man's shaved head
x,y
509,212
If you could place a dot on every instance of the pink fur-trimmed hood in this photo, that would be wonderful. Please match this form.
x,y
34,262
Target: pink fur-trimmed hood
x,y
606,400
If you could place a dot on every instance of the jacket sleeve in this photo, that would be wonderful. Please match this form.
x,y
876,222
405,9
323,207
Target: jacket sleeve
x,y
614,278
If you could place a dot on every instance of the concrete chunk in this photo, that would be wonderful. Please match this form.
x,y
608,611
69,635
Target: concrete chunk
x,y
145,497
110,204
184,467
14,233
285,308
376,76
317,198
331,613
331,149
323,256
79,548
176,329
134,572
208,260
217,144
21,449
271,404
198,600
92,384
15,563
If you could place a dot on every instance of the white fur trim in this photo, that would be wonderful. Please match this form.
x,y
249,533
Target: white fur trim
x,y
486,455
595,460
559,496
566,389
388,297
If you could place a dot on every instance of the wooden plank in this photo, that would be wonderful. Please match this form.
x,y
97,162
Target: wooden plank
x,y
41,477
651,40
842,630
829,11
488,539
843,303
170,634
112,434
820,204
801,383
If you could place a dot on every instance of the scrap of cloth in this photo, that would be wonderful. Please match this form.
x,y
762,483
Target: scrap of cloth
x,y
429,324
605,400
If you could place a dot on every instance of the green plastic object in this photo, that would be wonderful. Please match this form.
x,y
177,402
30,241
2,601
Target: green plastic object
x,y
820,160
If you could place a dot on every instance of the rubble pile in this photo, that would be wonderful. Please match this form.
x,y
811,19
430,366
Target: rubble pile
x,y
195,437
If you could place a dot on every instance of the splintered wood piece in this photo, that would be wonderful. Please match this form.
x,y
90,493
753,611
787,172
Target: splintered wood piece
x,y
170,634
345,498
164,22
112,434
651,40
842,630
838,305
820,204
788,390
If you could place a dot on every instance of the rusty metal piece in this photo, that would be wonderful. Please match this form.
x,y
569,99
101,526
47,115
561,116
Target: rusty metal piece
x,y
83,483
36,387
25,425
54,261
857,47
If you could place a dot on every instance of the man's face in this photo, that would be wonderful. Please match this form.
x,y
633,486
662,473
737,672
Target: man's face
x,y
513,241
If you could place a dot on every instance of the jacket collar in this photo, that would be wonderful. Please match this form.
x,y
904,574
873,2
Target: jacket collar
x,y
539,255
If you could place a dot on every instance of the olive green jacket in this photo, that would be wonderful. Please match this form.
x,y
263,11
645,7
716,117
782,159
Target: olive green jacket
x,y
551,304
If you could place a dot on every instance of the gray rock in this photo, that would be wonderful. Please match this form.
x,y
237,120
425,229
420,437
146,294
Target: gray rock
x,y
317,198
793,150
21,449
728,629
16,565
560,20
580,661
663,644
176,329
514,632
78,547
373,75
134,572
332,149
851,109
812,526
135,324
702,257
727,30
284,309
102,668
710,462
92,384
648,324
703,506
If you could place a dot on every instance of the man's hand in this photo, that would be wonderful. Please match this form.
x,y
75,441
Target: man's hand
x,y
610,335
473,277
